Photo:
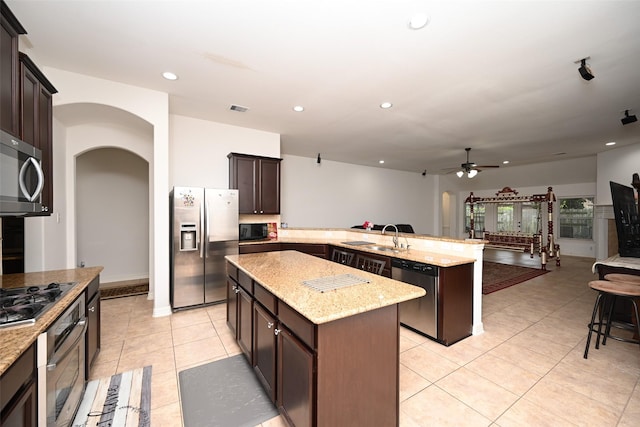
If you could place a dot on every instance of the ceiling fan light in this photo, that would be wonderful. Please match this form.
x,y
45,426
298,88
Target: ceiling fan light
x,y
472,173
460,173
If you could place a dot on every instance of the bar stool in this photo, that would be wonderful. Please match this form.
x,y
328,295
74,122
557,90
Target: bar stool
x,y
623,278
608,292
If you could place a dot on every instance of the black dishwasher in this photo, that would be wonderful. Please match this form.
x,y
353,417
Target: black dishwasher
x,y
420,314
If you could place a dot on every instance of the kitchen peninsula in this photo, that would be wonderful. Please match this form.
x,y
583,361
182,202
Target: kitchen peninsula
x,y
444,252
326,358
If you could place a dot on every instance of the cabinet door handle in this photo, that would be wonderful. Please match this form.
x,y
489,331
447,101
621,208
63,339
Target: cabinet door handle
x,y
92,309
276,331
236,289
269,325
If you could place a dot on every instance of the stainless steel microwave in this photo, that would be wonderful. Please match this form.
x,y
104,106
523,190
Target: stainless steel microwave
x,y
254,231
21,177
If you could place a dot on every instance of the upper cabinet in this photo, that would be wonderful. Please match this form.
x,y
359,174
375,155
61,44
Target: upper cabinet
x,y
257,180
10,29
26,107
36,121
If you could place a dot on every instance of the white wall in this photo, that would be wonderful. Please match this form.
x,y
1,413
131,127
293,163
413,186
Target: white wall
x,y
198,150
617,165
340,195
112,196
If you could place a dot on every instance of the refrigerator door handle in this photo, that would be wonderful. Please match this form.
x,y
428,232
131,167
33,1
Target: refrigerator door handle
x,y
202,230
206,232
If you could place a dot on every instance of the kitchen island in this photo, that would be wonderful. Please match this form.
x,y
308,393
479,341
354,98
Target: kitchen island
x,y
326,358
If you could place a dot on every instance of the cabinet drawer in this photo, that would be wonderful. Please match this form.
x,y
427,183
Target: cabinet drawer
x,y
232,271
265,298
300,326
245,281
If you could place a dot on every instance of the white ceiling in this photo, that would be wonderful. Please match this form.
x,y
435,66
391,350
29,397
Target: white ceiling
x,y
496,76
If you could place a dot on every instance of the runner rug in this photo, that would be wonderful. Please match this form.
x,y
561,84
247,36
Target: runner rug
x,y
500,276
118,401
224,393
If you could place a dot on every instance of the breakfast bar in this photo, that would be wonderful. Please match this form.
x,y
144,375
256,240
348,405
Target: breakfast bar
x,y
325,357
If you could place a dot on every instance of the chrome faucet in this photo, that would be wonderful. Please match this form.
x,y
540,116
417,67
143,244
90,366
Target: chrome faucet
x,y
395,238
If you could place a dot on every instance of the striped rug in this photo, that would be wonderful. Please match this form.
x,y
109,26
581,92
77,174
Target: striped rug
x,y
122,400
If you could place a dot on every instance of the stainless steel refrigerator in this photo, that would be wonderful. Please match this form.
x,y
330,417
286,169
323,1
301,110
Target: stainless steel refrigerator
x,y
204,228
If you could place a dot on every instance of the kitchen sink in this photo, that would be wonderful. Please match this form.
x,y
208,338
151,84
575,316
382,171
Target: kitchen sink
x,y
383,248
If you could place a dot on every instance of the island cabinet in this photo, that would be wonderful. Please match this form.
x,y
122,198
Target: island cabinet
x,y
324,358
240,309
455,303
93,323
10,29
18,399
36,121
257,180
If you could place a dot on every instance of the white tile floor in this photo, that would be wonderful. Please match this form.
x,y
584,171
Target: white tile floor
x,y
526,369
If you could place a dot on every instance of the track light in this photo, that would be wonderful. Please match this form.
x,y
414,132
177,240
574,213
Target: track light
x,y
627,118
585,70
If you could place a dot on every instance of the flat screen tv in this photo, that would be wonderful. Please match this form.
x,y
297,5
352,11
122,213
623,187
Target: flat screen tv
x,y
625,208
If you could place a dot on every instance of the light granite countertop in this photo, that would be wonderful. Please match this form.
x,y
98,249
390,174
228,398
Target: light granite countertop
x,y
282,274
15,340
428,257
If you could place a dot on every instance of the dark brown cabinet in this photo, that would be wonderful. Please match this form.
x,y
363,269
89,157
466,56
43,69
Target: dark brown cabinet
x,y
18,399
314,249
93,323
36,121
10,29
240,309
257,180
264,344
259,247
245,327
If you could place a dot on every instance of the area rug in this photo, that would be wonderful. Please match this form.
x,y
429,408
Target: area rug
x,y
224,393
117,401
500,276
124,291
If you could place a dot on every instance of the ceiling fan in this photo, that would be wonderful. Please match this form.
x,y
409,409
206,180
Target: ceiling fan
x,y
470,168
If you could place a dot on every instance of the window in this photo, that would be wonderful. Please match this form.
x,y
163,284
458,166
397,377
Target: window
x,y
478,219
576,218
531,217
505,217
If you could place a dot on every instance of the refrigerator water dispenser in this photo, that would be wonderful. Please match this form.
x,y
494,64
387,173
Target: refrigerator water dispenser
x,y
188,237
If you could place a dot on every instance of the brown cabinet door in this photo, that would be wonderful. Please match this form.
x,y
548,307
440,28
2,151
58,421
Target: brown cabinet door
x,y
10,29
29,102
23,412
244,176
269,186
232,305
93,330
264,349
245,324
295,380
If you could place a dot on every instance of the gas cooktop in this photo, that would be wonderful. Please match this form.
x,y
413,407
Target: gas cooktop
x,y
19,306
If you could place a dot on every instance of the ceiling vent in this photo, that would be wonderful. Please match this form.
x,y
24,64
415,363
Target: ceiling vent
x,y
238,108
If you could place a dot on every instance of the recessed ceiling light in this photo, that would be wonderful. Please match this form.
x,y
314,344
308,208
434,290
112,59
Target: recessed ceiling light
x,y
381,161
169,75
505,162
298,108
610,143
386,105
419,20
